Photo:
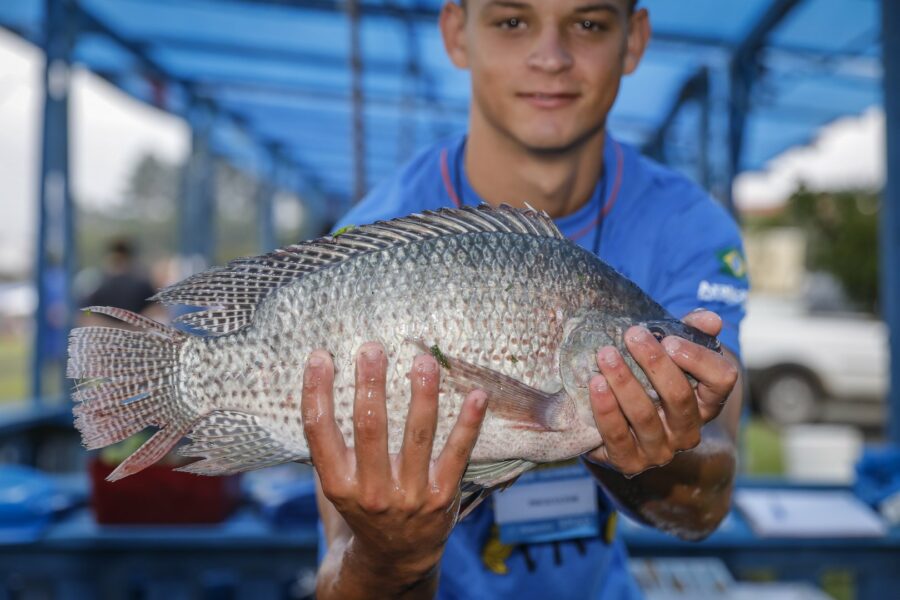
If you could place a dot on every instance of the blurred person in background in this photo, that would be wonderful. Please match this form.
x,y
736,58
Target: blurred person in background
x,y
544,76
124,284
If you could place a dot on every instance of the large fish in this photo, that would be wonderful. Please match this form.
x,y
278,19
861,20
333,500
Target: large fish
x,y
502,299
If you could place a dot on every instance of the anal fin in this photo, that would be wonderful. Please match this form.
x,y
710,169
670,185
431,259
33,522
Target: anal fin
x,y
233,442
481,480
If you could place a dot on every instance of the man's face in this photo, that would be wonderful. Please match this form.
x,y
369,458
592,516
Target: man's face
x,y
546,72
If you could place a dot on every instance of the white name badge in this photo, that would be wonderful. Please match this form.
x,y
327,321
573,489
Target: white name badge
x,y
547,505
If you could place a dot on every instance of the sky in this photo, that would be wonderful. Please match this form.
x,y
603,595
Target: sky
x,y
110,131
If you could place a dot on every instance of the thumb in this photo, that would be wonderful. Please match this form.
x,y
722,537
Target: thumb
x,y
705,320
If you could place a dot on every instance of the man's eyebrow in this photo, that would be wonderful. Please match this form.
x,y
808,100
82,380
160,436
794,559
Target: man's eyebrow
x,y
599,6
506,4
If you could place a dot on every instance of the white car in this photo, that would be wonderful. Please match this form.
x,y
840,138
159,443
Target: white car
x,y
804,366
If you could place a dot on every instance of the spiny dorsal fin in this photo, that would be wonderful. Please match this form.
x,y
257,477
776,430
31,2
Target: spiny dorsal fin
x,y
232,293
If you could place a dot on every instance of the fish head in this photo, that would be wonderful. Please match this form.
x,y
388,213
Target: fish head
x,y
585,333
663,328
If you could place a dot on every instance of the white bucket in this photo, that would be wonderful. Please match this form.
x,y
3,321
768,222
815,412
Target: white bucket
x,y
822,453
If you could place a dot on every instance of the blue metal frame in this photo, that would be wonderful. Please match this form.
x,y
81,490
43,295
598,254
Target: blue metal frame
x,y
696,87
890,205
56,216
743,71
197,240
357,100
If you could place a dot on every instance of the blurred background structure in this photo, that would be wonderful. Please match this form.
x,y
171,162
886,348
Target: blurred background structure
x,y
254,123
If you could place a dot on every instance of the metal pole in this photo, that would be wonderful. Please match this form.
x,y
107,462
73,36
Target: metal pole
x,y
358,101
197,213
742,74
703,166
55,254
890,206
740,81
407,134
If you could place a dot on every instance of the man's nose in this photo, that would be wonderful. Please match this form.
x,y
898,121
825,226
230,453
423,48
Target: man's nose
x,y
550,53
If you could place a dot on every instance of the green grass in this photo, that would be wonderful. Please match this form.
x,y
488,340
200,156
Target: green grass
x,y
762,450
15,371
14,357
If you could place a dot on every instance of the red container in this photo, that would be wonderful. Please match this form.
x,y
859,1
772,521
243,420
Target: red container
x,y
159,495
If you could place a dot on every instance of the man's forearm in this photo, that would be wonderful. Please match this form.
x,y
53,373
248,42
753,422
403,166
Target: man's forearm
x,y
688,497
347,574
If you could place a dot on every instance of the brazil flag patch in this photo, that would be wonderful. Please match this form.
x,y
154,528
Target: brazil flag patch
x,y
732,263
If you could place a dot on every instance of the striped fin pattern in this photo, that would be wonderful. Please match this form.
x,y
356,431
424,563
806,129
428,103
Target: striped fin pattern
x,y
232,442
127,383
231,294
481,480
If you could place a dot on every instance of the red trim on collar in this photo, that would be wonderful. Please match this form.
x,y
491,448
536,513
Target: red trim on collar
x,y
448,185
613,195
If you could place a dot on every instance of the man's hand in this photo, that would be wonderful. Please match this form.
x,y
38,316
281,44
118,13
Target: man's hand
x,y
637,435
398,510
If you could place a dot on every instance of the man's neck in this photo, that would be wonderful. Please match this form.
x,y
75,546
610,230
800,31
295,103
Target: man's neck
x,y
501,171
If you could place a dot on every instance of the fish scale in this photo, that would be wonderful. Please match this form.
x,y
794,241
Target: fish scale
x,y
511,306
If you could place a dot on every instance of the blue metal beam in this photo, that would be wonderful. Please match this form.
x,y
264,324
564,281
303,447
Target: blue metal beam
x,y
890,206
358,102
695,87
197,208
91,22
743,72
238,50
55,258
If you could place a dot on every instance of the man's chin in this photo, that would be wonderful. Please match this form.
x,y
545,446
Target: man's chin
x,y
557,143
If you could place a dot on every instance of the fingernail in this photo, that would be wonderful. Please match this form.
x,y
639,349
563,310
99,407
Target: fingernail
x,y
599,384
372,352
698,309
671,344
424,365
316,360
479,399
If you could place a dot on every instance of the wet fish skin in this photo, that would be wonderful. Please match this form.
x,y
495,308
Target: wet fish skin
x,y
512,306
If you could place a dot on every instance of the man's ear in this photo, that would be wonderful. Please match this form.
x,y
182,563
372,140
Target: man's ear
x,y
638,37
453,23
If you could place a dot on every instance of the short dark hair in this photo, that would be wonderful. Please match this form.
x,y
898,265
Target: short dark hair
x,y
123,247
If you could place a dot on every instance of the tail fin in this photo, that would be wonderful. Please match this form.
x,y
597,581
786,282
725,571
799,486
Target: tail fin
x,y
127,384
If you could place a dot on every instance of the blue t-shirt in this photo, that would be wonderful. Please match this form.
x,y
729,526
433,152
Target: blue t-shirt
x,y
652,225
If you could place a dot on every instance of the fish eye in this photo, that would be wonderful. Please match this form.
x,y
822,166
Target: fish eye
x,y
657,332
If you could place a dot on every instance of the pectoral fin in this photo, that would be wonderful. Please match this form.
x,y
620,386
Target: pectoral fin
x,y
507,397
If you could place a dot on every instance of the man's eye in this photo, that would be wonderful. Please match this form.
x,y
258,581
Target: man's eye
x,y
511,23
589,25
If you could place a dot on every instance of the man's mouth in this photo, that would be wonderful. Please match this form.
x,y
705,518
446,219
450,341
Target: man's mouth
x,y
547,100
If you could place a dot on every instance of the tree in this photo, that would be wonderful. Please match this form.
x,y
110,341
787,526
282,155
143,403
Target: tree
x,y
842,235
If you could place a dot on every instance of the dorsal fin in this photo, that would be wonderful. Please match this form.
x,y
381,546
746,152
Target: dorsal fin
x,y
231,294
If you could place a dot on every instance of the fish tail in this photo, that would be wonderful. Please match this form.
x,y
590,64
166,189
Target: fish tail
x,y
128,382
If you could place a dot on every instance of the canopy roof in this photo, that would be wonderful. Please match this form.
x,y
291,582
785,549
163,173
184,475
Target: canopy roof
x,y
273,77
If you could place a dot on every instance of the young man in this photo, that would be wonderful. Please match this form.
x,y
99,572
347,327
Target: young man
x,y
545,74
